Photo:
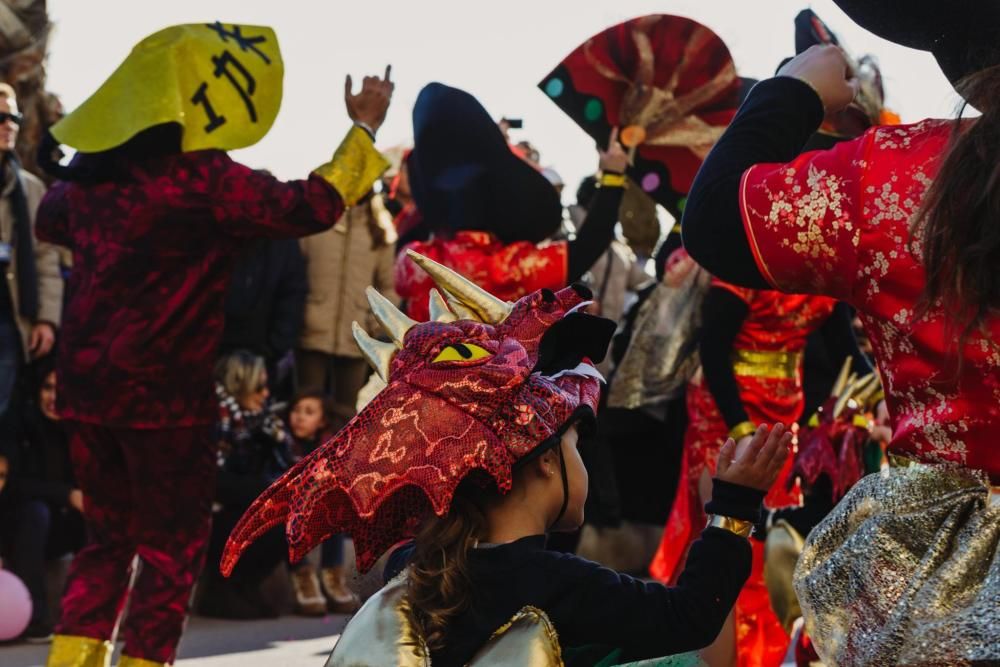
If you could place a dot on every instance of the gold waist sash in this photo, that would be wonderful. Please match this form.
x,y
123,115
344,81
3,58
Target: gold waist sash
x,y
779,365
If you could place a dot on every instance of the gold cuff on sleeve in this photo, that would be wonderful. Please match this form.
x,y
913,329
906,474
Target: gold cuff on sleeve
x,y
742,429
735,526
611,180
355,166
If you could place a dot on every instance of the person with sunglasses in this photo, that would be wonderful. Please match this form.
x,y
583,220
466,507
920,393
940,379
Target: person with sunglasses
x,y
254,450
31,298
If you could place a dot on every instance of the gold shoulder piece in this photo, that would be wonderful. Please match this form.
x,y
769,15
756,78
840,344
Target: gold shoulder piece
x,y
355,166
528,638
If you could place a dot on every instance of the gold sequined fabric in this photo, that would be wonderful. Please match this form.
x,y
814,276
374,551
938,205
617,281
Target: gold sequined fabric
x,y
663,353
905,571
355,166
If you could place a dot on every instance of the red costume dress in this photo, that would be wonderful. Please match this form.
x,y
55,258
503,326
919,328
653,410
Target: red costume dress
x,y
767,364
903,566
509,271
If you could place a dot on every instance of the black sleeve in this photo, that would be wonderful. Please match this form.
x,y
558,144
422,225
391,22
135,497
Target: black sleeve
x,y
817,502
52,492
723,314
647,620
289,299
774,123
838,335
596,233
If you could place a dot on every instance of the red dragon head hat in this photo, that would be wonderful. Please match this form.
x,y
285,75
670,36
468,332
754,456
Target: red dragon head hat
x,y
480,386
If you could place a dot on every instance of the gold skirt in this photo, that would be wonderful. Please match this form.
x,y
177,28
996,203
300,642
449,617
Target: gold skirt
x,y
905,571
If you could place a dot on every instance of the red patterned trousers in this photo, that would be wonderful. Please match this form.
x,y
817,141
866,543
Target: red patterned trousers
x,y
146,493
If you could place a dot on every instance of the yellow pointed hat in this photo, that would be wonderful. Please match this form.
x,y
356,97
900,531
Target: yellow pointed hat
x,y
220,81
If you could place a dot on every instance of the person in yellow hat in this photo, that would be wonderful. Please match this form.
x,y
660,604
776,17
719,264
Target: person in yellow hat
x,y
154,211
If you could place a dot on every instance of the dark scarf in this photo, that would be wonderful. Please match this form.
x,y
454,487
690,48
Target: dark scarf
x,y
23,242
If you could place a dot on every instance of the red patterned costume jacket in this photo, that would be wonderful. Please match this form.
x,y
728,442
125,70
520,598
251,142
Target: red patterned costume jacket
x,y
151,263
767,363
508,271
838,223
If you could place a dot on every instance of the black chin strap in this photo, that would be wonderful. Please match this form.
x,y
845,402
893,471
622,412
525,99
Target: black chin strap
x,y
565,485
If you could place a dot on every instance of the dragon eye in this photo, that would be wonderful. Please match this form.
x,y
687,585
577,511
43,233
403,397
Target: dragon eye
x,y
462,352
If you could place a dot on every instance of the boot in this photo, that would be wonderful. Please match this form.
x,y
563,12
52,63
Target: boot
x,y
308,598
129,661
340,598
74,651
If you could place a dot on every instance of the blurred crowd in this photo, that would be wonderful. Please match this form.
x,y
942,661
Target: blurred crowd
x,y
287,377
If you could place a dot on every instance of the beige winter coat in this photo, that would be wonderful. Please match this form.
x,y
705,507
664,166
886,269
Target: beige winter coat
x,y
50,282
340,264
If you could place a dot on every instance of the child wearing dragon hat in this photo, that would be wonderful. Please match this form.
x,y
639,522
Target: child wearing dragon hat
x,y
154,211
470,447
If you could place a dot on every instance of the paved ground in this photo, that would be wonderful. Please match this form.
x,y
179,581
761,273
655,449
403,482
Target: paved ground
x,y
290,641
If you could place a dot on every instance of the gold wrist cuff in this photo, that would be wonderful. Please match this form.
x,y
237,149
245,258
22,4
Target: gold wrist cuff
x,y
735,526
355,166
612,180
742,429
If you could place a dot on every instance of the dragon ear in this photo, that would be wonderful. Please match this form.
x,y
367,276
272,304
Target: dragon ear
x,y
393,321
378,354
484,305
439,308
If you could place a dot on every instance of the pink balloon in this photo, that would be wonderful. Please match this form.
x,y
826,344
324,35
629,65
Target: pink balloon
x,y
16,604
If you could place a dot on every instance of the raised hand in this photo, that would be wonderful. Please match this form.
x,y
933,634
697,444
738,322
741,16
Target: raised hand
x,y
826,69
614,159
370,105
757,460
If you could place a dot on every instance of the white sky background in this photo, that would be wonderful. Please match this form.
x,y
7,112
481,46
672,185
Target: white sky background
x,y
496,50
